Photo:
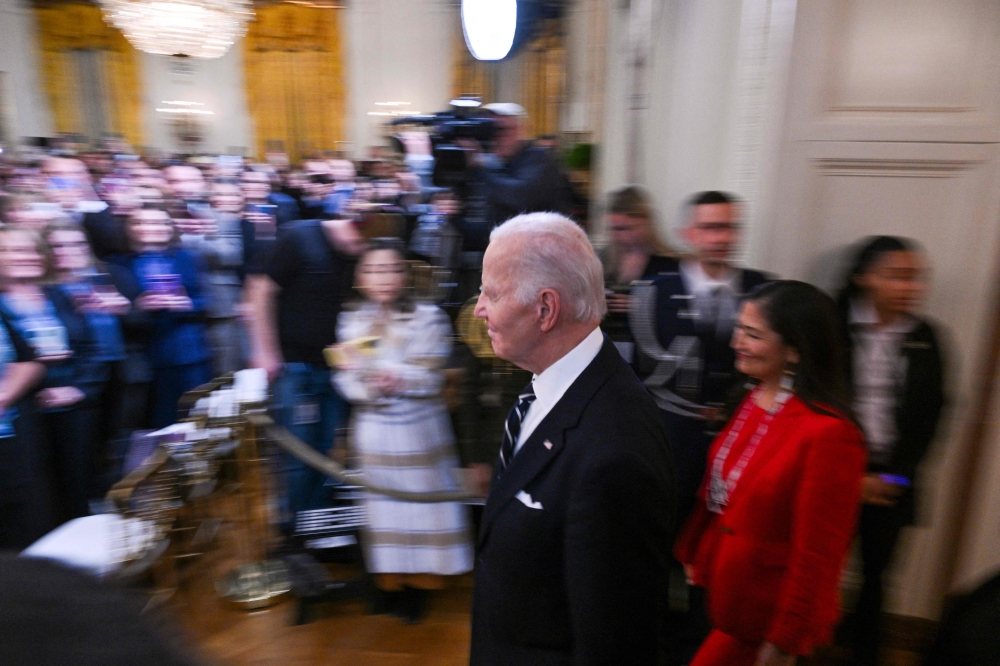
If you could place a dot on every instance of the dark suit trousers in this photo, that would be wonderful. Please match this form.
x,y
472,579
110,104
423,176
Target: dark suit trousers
x,y
879,531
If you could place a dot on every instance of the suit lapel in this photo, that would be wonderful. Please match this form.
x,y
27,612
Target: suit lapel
x,y
535,454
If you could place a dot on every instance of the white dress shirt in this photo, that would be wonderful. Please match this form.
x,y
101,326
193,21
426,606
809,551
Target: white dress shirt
x,y
555,380
715,299
879,370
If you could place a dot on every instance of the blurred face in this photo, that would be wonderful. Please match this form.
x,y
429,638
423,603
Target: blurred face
x,y
382,276
512,327
227,199
508,137
150,228
896,283
445,204
23,217
760,351
628,231
714,232
342,170
364,191
64,181
256,185
150,178
70,250
149,194
185,182
20,260
123,199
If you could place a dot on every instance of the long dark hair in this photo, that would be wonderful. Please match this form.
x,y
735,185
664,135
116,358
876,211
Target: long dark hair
x,y
869,251
807,321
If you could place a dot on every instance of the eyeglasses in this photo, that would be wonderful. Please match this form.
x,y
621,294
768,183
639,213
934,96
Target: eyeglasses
x,y
64,183
398,270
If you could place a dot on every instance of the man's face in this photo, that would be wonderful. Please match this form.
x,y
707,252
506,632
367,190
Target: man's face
x,y
256,185
185,182
64,184
714,232
627,231
227,198
508,136
512,327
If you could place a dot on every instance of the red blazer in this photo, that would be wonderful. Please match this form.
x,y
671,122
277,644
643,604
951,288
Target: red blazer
x,y
772,561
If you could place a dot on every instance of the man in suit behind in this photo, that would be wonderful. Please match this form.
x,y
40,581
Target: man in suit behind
x,y
573,551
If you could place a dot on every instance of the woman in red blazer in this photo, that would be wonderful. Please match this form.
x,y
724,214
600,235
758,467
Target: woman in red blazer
x,y
782,488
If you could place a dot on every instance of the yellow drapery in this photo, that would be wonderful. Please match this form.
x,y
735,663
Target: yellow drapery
x,y
543,79
468,75
295,80
542,76
68,27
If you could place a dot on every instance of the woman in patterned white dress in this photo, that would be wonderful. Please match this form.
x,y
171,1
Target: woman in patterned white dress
x,y
389,364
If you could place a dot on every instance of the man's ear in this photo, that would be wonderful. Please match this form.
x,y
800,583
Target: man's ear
x,y
549,309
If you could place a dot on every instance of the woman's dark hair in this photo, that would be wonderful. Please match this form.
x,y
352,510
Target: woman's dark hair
x,y
869,251
807,321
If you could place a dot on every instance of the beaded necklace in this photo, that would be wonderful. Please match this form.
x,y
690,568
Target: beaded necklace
x,y
721,489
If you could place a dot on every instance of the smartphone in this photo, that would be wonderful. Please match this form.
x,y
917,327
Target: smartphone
x,y
169,284
102,283
896,480
263,209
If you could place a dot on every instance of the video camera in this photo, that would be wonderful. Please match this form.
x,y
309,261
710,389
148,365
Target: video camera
x,y
451,164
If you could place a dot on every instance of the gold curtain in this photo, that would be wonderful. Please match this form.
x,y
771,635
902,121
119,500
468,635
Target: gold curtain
x,y
69,27
543,79
470,76
543,76
295,80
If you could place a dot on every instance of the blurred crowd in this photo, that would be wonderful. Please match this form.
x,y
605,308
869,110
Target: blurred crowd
x,y
125,282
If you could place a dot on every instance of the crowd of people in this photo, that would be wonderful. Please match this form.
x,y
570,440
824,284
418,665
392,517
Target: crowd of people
x,y
125,283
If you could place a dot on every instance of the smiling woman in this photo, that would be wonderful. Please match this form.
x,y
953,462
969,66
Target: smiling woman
x,y
779,499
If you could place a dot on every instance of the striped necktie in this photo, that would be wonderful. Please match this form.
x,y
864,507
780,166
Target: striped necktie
x,y
513,426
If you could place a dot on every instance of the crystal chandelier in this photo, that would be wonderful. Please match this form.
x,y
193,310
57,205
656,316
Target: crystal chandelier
x,y
196,28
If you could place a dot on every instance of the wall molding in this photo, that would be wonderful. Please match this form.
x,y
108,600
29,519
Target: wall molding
x,y
893,168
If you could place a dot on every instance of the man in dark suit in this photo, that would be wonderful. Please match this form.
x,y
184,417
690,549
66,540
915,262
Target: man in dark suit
x,y
683,321
573,551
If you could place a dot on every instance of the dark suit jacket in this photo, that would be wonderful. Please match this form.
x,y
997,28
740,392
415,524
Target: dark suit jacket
x,y
920,401
583,579
712,383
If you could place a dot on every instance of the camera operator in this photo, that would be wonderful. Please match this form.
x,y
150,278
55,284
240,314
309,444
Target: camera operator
x,y
515,177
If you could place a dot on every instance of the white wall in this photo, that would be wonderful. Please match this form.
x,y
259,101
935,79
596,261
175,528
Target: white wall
x,y
20,59
217,83
893,127
688,125
400,51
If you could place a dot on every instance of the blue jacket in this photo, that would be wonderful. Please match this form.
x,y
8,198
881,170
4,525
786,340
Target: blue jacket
x,y
166,338
82,370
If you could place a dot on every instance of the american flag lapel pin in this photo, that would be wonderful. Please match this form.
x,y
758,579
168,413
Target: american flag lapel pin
x,y
547,444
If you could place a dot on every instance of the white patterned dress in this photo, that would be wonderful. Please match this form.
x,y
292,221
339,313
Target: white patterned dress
x,y
405,442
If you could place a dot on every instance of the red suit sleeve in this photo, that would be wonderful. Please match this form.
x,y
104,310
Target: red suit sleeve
x,y
825,513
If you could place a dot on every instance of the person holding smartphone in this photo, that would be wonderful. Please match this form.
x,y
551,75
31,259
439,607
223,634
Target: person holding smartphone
x,y
897,384
95,298
66,403
164,331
